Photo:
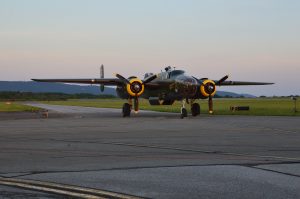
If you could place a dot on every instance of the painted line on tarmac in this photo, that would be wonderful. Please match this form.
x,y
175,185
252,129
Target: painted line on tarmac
x,y
62,189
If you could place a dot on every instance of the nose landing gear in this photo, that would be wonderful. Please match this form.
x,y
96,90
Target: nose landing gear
x,y
183,110
195,109
183,113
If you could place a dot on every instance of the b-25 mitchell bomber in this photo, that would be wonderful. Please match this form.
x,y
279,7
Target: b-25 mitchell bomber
x,y
161,89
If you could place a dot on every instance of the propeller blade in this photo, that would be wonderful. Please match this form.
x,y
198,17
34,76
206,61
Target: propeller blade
x,y
150,79
126,81
222,80
136,104
210,105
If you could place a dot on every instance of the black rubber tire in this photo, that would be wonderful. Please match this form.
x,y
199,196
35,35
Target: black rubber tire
x,y
195,109
183,113
126,110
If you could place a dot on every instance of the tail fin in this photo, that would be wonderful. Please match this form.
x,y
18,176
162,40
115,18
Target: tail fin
x,y
101,77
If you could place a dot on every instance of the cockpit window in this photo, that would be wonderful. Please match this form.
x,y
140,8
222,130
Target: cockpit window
x,y
176,73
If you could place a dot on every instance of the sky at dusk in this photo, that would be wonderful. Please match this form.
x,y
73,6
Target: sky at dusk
x,y
256,40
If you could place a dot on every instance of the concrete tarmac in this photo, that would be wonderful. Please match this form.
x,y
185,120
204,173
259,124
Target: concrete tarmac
x,y
154,155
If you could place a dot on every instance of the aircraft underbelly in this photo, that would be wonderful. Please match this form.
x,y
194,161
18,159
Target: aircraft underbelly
x,y
175,93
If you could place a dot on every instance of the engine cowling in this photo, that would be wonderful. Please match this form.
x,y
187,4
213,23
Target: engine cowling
x,y
208,88
136,87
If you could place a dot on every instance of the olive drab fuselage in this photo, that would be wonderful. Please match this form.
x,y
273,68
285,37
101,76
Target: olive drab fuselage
x,y
180,86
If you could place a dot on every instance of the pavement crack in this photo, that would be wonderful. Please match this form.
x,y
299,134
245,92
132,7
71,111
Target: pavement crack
x,y
186,150
250,165
274,171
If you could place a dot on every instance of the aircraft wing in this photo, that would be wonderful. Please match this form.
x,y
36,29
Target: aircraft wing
x,y
241,83
104,81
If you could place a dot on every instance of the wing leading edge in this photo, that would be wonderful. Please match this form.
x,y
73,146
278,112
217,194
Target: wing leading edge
x,y
105,81
242,83
116,81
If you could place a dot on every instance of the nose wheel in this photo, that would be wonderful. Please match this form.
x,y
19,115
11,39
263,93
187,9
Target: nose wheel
x,y
183,113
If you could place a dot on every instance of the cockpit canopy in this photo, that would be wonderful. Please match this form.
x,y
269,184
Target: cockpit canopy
x,y
175,73
169,73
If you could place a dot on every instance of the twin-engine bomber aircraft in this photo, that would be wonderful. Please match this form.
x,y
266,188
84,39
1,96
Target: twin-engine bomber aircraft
x,y
161,89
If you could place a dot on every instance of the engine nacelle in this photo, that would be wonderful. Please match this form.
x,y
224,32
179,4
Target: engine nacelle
x,y
136,87
208,88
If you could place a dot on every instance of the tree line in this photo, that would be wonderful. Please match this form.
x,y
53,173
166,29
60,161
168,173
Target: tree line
x,y
27,96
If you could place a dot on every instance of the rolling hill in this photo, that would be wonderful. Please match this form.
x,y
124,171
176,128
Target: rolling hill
x,y
38,87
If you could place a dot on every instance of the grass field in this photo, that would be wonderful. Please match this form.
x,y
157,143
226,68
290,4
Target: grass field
x,y
15,107
259,106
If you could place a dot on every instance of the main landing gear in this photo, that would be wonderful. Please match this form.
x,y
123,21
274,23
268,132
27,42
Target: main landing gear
x,y
126,110
195,109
